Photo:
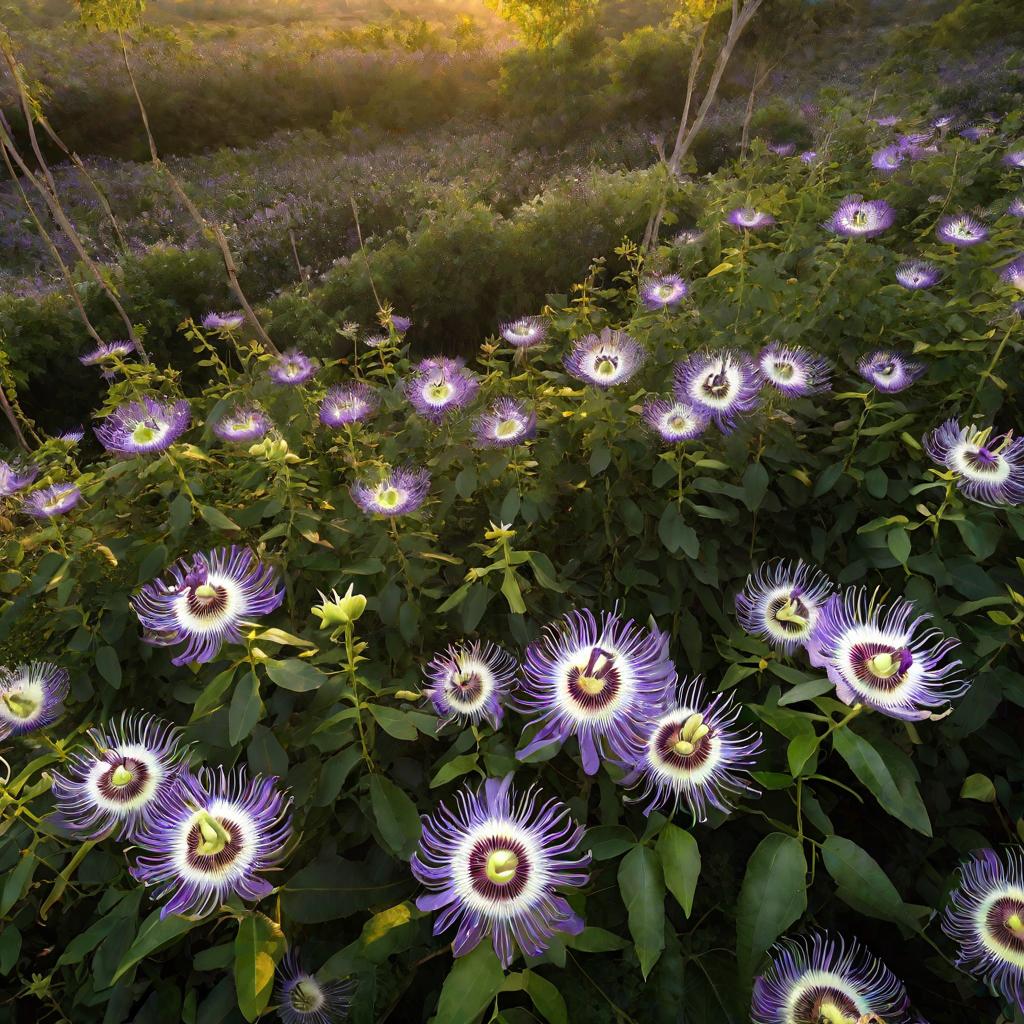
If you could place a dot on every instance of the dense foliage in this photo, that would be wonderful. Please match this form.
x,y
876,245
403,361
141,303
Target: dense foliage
x,y
862,818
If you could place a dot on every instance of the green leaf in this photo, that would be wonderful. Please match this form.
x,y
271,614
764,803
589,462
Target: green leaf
x,y
862,883
259,946
898,541
596,940
755,486
394,721
800,752
546,998
180,513
295,674
608,841
454,768
772,897
210,699
867,764
643,892
152,935
680,863
675,534
215,518
109,666
474,980
18,881
396,816
332,887
246,708
510,588
978,787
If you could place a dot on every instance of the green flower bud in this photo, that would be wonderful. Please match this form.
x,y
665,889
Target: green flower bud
x,y
339,611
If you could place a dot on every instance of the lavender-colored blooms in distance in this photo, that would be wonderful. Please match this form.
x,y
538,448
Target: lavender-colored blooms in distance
x,y
889,371
213,837
597,678
857,217
292,368
440,386
15,476
694,754
73,436
494,863
605,359
144,427
345,404
888,159
961,230
398,493
223,321
674,421
55,500
809,156
107,350
663,291
880,656
989,469
206,600
526,332
1013,273
243,423
506,424
918,274
749,219
794,371
1015,158
401,324
31,697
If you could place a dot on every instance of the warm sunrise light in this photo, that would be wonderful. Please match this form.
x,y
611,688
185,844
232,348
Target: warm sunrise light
x,y
511,511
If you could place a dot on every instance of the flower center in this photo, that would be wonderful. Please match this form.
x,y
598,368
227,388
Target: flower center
x,y
717,384
389,497
785,371
522,330
664,291
144,434
21,705
306,997
829,1013
1016,925
678,422
606,366
591,684
206,592
507,428
291,370
242,425
121,776
792,611
501,866
887,664
213,837
691,733
859,219
439,391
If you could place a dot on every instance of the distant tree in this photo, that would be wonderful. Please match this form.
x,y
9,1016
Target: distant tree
x,y
541,22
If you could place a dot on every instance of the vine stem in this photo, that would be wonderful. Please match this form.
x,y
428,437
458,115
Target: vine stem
x,y
856,434
842,723
997,355
350,670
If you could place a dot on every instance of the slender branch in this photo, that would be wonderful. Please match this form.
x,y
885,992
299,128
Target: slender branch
x,y
54,251
760,77
13,420
57,211
362,249
230,267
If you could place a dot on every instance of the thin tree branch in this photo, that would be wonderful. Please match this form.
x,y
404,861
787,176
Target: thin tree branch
x,y
54,251
57,211
215,230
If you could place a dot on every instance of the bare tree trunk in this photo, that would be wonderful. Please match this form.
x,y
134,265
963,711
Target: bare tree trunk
x,y
57,211
687,133
654,221
54,251
760,77
215,230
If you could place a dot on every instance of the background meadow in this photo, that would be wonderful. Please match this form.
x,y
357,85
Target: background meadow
x,y
395,188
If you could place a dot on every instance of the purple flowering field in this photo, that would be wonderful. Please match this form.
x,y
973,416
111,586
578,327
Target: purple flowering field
x,y
511,512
